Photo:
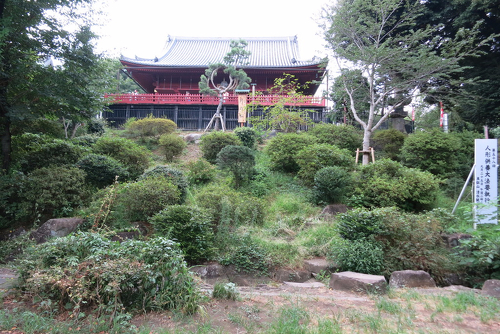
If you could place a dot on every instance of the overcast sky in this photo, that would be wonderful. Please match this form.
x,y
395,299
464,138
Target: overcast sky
x,y
141,27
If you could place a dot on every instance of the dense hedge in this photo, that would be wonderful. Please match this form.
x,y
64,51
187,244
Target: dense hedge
x,y
212,143
283,148
343,136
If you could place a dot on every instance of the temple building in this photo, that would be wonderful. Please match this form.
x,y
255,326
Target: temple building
x,y
171,81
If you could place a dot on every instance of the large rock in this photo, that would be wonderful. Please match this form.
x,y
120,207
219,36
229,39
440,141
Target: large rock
x,y
356,282
334,209
453,239
58,227
291,275
491,288
192,137
318,265
208,271
411,279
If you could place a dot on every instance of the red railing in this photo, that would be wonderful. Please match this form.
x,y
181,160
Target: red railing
x,y
213,100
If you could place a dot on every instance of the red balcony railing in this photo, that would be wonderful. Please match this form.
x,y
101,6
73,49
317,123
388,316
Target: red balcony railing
x,y
213,100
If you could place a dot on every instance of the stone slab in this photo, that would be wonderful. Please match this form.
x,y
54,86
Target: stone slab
x,y
357,282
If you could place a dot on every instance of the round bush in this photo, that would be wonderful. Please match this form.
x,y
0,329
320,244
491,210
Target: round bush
x,y
55,191
140,200
176,176
96,127
131,155
331,185
283,148
212,143
102,170
200,171
343,136
239,160
312,158
190,227
248,136
360,256
361,223
171,146
151,126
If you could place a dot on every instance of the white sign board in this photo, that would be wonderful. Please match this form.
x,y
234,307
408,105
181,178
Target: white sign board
x,y
486,181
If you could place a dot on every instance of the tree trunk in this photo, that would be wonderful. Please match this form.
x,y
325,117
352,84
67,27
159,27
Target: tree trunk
x,y
366,146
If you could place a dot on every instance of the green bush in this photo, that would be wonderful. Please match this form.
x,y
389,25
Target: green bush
x,y
54,191
361,256
101,170
96,127
231,206
343,136
239,160
225,291
442,154
86,140
151,126
312,158
200,171
190,227
361,223
171,145
43,152
247,136
42,126
86,271
389,142
176,176
137,201
131,155
388,183
331,184
283,148
13,208
247,257
211,144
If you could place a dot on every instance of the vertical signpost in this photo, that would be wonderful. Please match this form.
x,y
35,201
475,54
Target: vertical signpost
x,y
486,181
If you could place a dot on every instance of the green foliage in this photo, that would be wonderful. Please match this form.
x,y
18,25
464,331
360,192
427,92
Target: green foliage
x,y
283,148
212,143
388,183
343,136
102,170
225,291
231,206
389,142
404,241
331,185
86,140
96,127
171,146
42,126
190,227
137,201
248,136
87,270
239,160
43,152
176,176
151,126
131,155
312,158
200,171
54,191
247,257
12,205
360,255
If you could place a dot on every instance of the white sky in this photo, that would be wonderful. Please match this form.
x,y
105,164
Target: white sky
x,y
141,27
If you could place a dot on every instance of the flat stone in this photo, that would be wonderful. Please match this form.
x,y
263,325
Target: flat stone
x,y
305,285
54,228
209,270
318,265
192,137
356,282
291,275
411,279
491,288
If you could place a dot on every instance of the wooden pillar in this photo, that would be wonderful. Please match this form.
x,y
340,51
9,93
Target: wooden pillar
x,y
176,114
200,118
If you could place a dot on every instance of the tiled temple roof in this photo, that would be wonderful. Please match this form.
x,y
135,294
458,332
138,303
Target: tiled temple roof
x,y
275,52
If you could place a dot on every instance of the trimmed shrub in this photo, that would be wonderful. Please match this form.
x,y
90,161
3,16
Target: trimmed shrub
x,y
283,148
176,176
85,140
101,170
247,257
171,146
211,144
388,183
151,126
131,155
361,223
248,136
96,127
331,185
190,227
239,160
54,191
230,206
312,158
87,271
360,256
140,200
200,171
343,136
389,142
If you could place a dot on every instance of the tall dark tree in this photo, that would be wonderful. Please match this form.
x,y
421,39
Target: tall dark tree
x,y
34,35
